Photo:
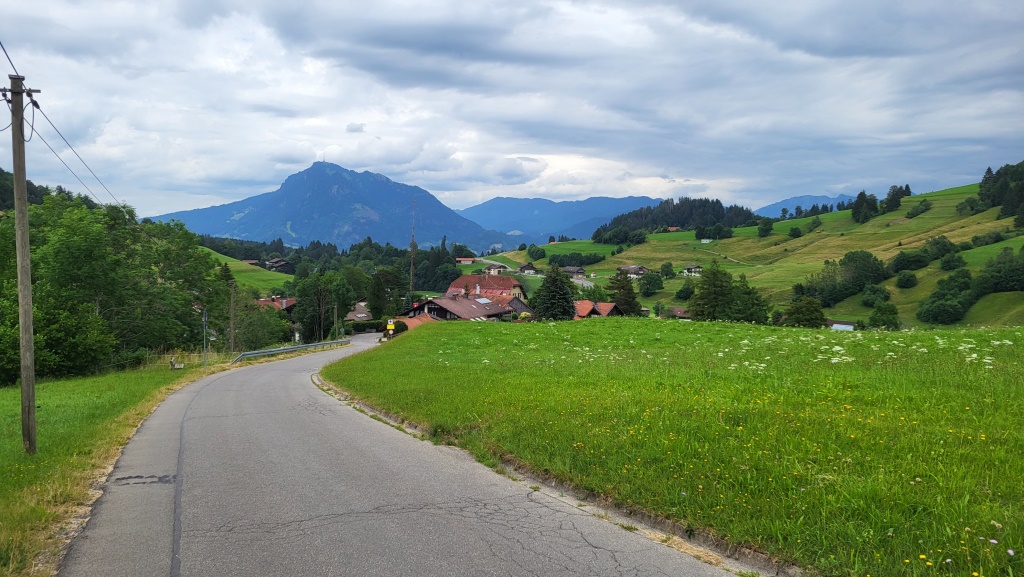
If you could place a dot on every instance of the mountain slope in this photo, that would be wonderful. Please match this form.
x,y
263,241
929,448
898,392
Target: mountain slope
x,y
775,263
805,202
329,203
539,217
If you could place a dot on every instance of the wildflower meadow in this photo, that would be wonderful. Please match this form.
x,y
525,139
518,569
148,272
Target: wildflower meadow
x,y
854,453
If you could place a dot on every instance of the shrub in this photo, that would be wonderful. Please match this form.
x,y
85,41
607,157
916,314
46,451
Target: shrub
x,y
874,295
987,238
795,232
885,316
922,207
906,279
364,326
909,260
686,291
951,261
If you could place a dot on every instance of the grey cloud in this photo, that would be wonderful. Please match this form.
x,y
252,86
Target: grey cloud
x,y
354,127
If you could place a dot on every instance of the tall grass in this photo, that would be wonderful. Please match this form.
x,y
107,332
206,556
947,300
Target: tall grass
x,y
855,453
81,424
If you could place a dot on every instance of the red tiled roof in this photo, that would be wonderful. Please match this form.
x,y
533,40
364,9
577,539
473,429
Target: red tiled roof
x,y
413,322
583,309
605,308
586,309
278,303
470,308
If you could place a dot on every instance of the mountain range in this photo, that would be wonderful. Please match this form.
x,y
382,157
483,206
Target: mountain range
x,y
328,203
535,219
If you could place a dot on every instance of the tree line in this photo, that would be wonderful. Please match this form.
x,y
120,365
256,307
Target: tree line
x,y
106,289
685,213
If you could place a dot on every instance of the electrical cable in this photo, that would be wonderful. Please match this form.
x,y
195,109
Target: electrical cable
x,y
69,168
82,160
32,124
9,59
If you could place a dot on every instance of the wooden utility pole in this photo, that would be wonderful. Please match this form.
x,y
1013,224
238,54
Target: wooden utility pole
x,y
28,353
231,323
412,252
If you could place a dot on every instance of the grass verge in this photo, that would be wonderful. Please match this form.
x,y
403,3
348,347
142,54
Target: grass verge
x,y
855,453
82,424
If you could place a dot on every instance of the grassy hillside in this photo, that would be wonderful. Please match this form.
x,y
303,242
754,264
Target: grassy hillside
x,y
248,276
777,262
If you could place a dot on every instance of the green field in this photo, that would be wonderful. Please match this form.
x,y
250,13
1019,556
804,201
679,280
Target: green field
x,y
81,423
248,276
855,453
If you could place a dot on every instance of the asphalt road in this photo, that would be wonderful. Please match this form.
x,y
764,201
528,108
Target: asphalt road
x,y
256,472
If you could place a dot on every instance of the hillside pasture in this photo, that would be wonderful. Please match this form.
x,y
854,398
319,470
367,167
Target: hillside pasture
x,y
248,276
775,263
854,453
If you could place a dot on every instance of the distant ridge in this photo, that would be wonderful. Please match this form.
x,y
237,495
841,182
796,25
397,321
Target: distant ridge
x,y
328,203
538,218
807,201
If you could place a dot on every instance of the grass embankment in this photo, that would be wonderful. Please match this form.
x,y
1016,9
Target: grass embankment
x,y
857,453
81,424
248,276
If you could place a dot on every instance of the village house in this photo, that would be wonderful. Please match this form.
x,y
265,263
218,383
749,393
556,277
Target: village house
x,y
280,265
286,304
457,307
528,268
359,313
680,313
485,285
587,309
495,269
841,325
634,270
465,260
515,303
692,270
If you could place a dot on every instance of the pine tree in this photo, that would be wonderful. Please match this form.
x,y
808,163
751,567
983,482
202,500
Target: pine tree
x,y
713,298
553,300
748,304
624,294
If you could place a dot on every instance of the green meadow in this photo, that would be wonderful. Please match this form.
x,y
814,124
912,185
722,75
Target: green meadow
x,y
862,453
248,276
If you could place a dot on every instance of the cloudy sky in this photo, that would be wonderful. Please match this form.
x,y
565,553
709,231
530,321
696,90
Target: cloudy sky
x,y
190,103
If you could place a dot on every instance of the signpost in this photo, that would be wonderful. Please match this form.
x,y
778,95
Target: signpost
x,y
391,328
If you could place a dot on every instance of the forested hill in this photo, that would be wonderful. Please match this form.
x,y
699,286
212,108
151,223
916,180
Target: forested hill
x,y
682,213
106,289
35,193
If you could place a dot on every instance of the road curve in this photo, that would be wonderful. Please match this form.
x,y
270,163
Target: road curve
x,y
255,472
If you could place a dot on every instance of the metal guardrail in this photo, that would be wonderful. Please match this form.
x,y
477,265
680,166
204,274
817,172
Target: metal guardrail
x,y
267,352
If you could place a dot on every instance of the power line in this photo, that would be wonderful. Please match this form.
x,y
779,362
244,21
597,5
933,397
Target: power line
x,y
9,59
82,160
69,168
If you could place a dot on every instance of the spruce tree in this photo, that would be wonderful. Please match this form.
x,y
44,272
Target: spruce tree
x,y
713,298
554,298
624,294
